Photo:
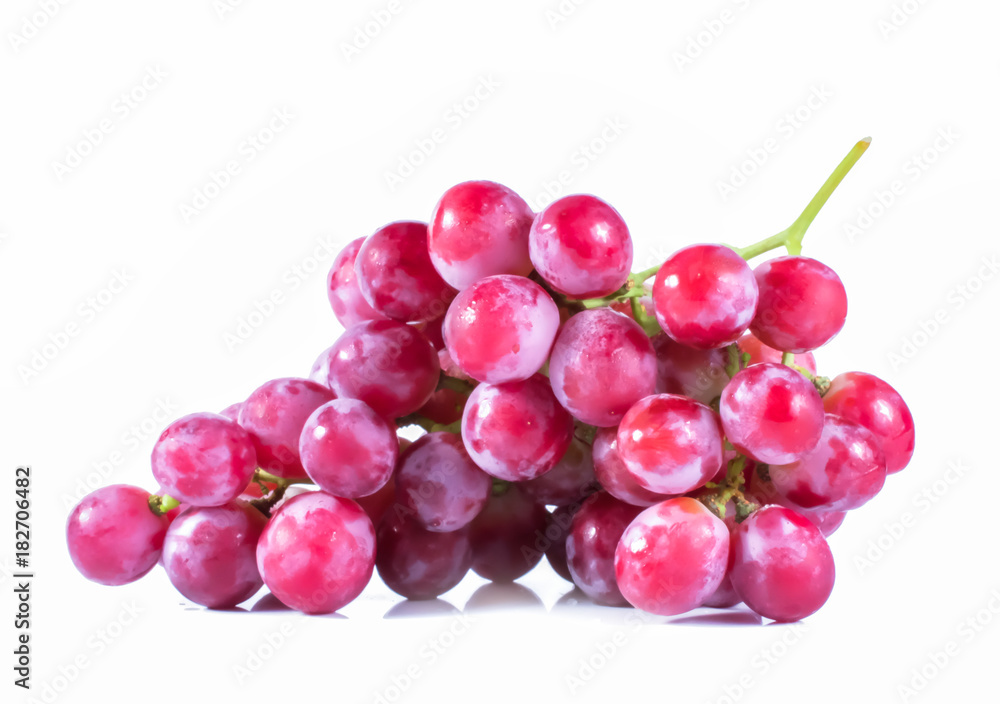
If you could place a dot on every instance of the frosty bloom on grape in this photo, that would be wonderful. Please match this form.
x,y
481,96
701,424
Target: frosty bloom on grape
x,y
32,24
85,313
940,658
427,654
93,136
94,646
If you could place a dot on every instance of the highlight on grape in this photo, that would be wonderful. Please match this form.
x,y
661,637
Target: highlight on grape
x,y
662,438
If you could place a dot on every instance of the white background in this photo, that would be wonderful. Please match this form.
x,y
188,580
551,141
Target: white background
x,y
552,79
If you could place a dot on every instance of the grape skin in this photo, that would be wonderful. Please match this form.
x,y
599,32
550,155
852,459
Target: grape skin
x,y
672,557
204,459
601,364
417,563
346,299
590,547
317,553
479,229
210,554
501,329
113,535
614,477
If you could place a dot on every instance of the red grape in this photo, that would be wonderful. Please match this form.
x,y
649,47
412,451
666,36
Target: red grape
x,y
516,430
685,371
845,470
614,477
210,554
348,449
317,553
113,535
396,276
556,530
705,296
772,413
581,247
376,505
418,563
802,305
504,535
783,568
569,481
672,557
670,444
501,328
601,364
232,411
869,401
320,371
590,547
479,229
388,365
274,415
204,459
439,483
346,299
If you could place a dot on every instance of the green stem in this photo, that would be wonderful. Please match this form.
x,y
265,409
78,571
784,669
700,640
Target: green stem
x,y
162,504
457,385
791,238
261,476
649,273
788,358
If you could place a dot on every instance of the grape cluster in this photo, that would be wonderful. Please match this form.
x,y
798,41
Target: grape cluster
x,y
667,445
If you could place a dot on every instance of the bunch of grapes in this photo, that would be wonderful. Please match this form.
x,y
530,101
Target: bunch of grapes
x,y
662,437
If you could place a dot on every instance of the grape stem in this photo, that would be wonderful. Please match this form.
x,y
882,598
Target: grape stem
x,y
788,358
730,490
822,383
261,476
791,238
162,504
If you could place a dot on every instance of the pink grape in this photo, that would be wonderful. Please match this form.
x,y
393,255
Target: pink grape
x,y
772,413
763,492
317,553
501,328
479,229
672,557
204,459
581,247
388,365
670,444
759,352
113,535
783,568
439,483
417,563
210,554
232,411
871,402
568,482
505,533
396,276
346,299
320,371
378,504
516,430
590,547
274,415
705,296
685,371
601,364
803,304
348,449
614,477
844,471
